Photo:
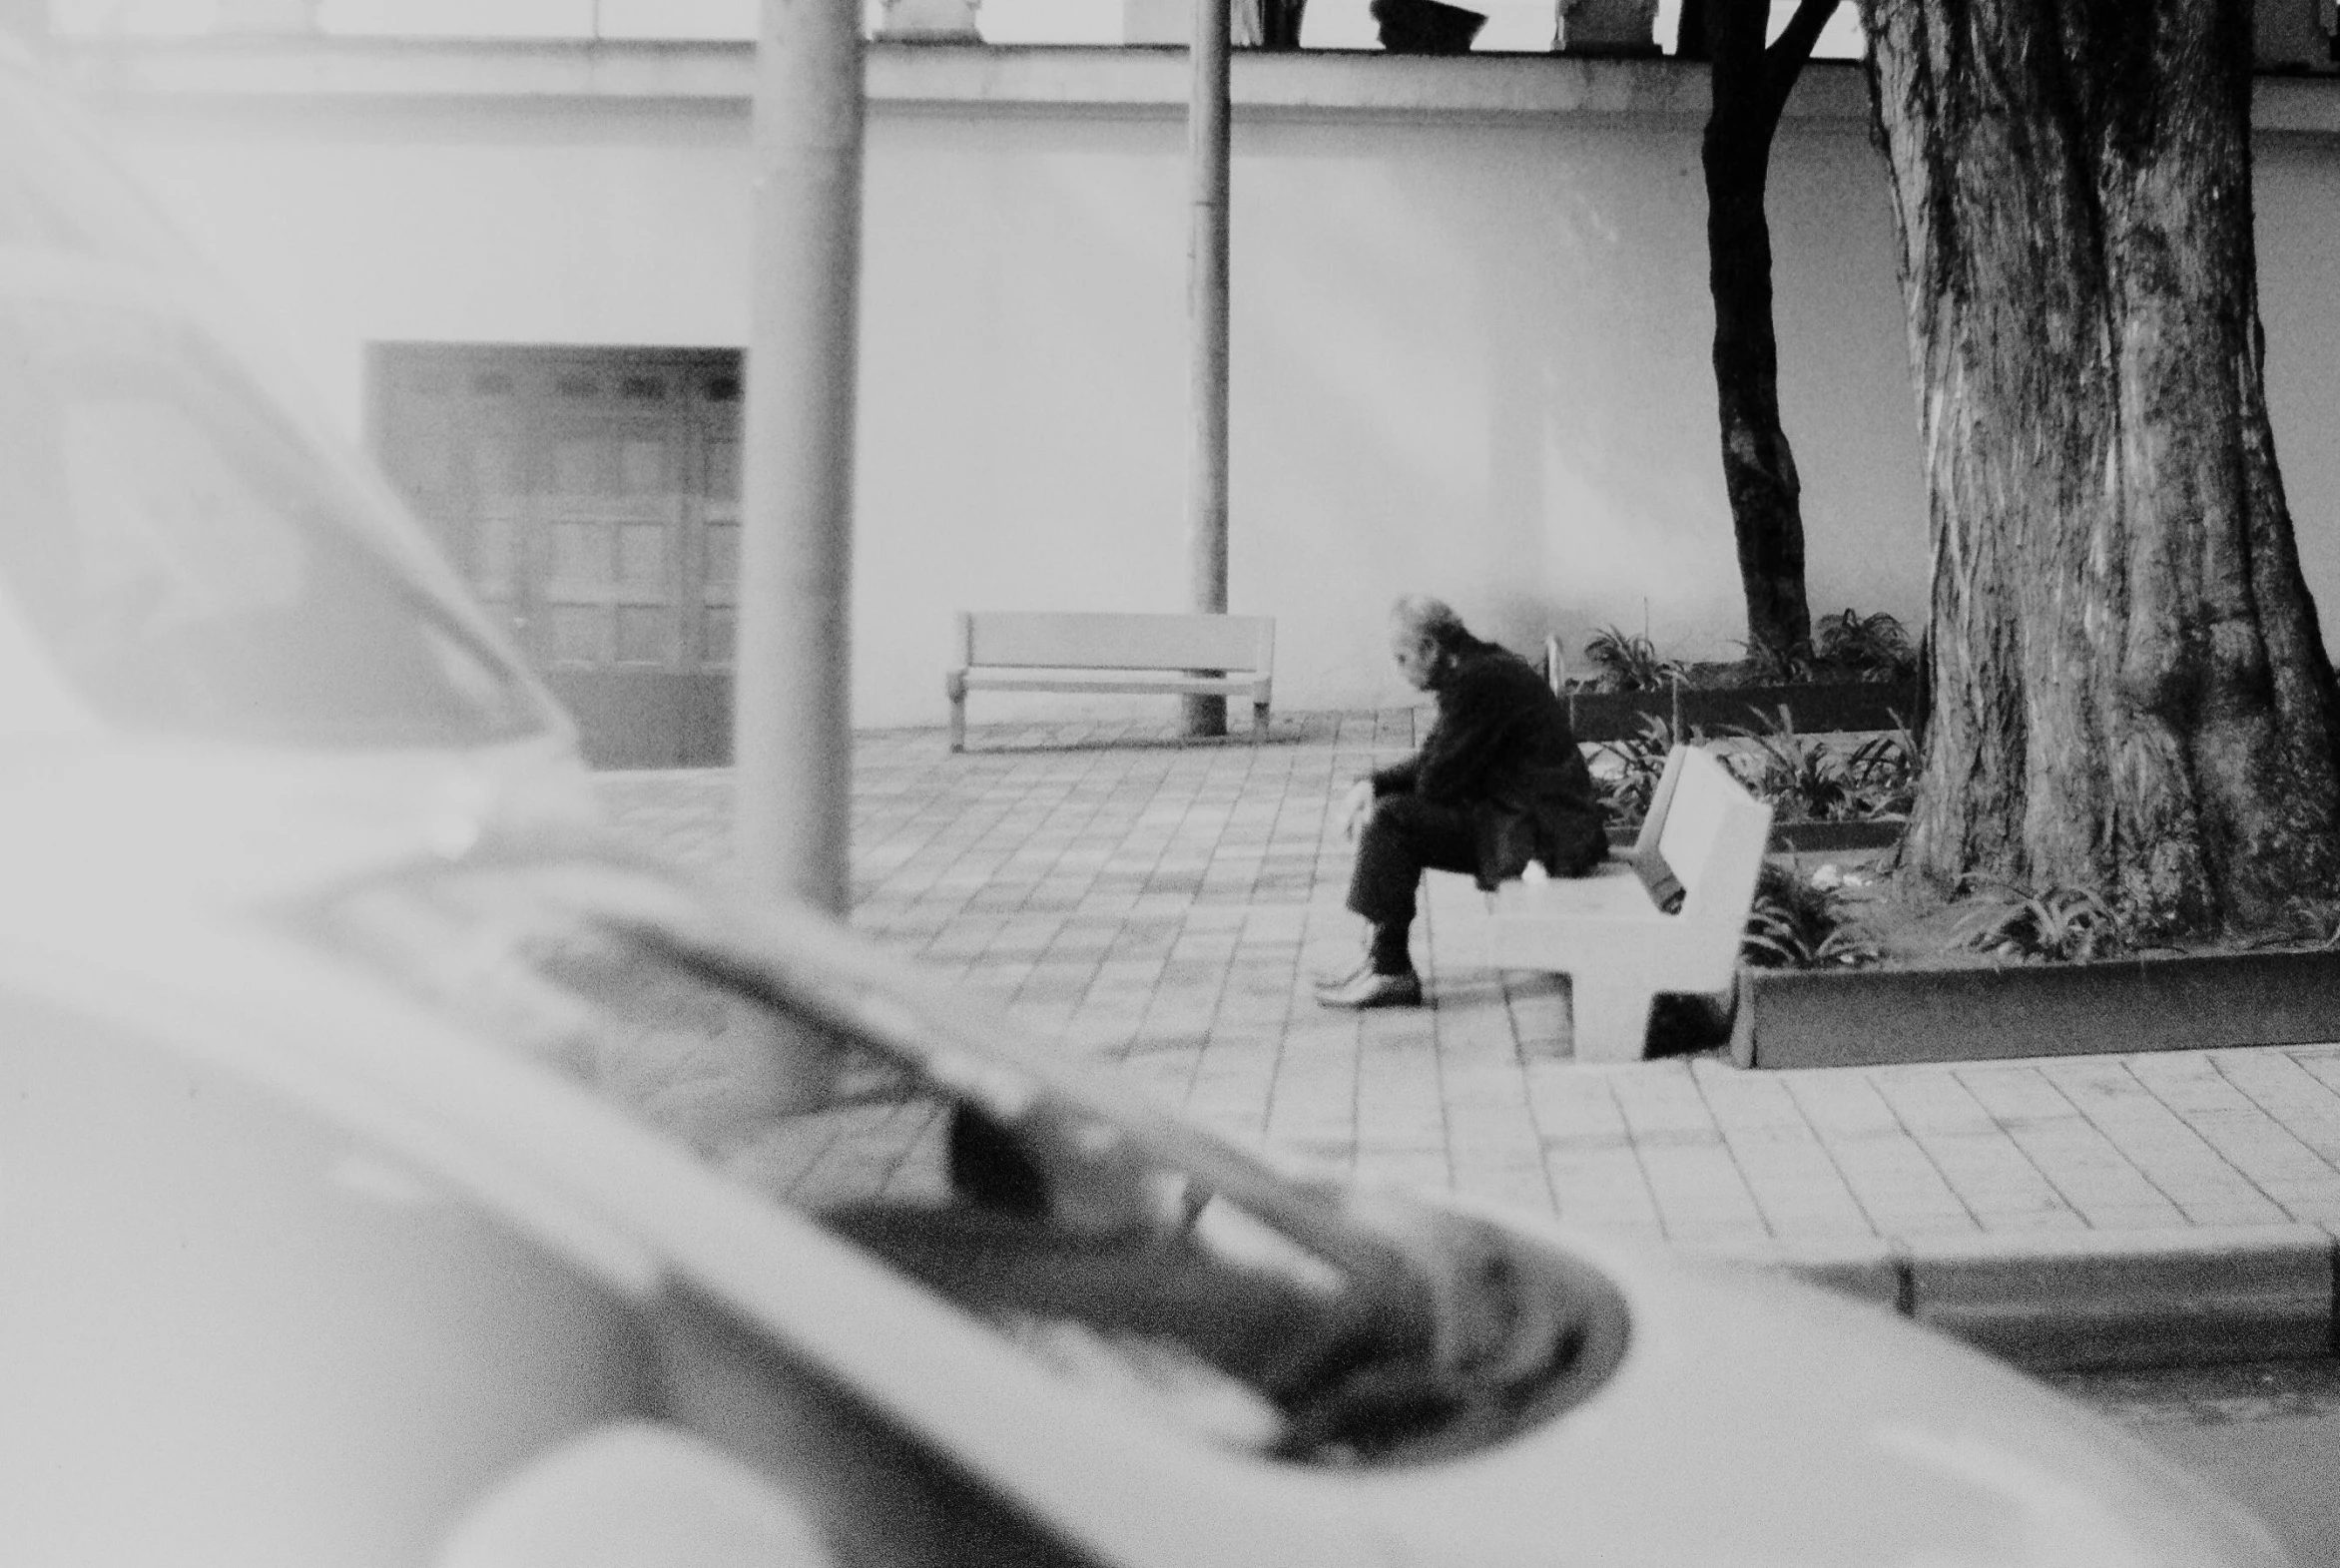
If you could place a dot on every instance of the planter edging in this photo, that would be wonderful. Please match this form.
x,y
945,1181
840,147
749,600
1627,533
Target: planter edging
x,y
1808,837
1817,706
1878,1017
2069,1299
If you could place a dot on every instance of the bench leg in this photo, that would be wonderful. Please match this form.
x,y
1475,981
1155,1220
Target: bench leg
x,y
1259,722
959,720
1611,1023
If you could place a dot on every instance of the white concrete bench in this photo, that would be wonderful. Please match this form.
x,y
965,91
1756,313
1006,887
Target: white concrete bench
x,y
1188,655
1608,935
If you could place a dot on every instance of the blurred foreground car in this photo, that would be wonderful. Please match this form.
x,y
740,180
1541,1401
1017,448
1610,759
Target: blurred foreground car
x,y
392,1173
199,584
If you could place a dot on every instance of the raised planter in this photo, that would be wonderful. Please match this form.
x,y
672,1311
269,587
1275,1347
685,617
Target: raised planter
x,y
1812,838
1616,29
1812,707
930,22
1426,27
1870,1017
1836,837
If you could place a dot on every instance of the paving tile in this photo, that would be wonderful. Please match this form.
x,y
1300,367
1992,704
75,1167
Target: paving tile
x,y
1157,908
2158,1141
1600,1185
1518,1186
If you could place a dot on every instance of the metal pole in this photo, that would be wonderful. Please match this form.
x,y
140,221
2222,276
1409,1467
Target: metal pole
x,y
792,722
1208,116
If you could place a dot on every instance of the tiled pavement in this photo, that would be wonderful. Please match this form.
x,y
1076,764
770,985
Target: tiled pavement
x,y
1159,908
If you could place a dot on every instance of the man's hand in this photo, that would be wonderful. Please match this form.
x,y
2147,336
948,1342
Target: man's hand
x,y
1356,809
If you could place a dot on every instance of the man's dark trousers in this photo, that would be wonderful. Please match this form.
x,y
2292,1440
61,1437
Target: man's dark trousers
x,y
1404,836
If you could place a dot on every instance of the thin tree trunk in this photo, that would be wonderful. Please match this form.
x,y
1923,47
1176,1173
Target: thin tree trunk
x,y
1751,87
1690,30
2131,690
1267,24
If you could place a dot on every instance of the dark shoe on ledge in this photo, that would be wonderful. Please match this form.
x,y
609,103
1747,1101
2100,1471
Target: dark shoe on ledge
x,y
1374,990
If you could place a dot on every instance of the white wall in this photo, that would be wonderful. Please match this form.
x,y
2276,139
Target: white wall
x,y
1470,357
1471,352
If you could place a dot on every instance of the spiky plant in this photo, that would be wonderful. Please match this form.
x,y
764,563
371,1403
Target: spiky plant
x,y
1797,924
1641,764
1803,778
1881,774
2055,924
1871,648
1629,663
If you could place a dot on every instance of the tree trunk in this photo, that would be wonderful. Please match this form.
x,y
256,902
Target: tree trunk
x,y
1751,87
1267,24
1690,30
2130,691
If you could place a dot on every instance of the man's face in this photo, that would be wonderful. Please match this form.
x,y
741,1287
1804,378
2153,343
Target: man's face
x,y
1416,656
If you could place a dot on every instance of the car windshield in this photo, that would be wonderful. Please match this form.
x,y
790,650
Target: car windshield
x,y
178,553
1285,1316
187,563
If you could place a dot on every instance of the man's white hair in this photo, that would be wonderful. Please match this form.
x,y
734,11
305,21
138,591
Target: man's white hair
x,y
1427,620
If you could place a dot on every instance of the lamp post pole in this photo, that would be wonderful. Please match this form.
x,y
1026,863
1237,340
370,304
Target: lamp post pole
x,y
1209,114
792,721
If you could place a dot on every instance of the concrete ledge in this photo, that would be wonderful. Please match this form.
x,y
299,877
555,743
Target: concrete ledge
x,y
2134,1299
2071,1301
1789,1018
1880,832
1865,1270
1815,706
1149,79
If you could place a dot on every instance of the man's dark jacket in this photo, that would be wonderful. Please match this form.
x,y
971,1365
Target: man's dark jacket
x,y
1503,751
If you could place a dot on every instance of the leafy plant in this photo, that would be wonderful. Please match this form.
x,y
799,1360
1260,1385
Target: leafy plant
x,y
2058,925
1768,664
1629,663
1881,775
1797,924
1641,764
1803,778
2306,922
1874,647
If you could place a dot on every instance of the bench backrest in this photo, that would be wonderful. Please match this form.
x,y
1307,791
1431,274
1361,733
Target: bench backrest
x,y
1118,642
1713,833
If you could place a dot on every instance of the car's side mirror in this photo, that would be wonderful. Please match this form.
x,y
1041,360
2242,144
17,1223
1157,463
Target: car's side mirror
x,y
637,1495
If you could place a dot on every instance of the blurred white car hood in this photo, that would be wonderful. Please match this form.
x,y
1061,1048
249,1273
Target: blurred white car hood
x,y
94,822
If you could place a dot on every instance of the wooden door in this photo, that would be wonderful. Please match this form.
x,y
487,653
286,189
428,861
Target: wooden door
x,y
591,497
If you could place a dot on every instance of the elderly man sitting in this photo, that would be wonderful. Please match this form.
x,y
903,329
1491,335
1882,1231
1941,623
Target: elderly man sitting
x,y
1499,782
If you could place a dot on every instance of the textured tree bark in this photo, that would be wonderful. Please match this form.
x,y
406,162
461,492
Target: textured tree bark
x,y
2131,690
1751,87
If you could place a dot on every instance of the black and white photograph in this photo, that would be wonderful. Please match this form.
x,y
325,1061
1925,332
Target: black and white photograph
x,y
1169,783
